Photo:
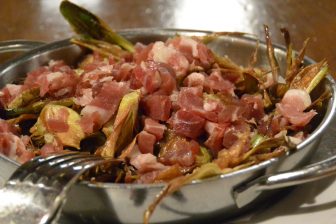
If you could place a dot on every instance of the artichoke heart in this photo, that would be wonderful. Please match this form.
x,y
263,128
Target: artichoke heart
x,y
123,126
58,123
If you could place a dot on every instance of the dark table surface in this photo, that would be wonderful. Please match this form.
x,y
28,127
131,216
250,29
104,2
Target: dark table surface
x,y
41,20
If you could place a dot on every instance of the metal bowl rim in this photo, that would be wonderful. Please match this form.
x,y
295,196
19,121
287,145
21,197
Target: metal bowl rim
x,y
315,135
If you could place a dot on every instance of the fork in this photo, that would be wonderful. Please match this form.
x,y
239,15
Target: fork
x,y
37,190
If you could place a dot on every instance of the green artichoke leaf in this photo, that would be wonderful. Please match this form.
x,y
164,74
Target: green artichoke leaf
x,y
89,25
123,126
36,107
309,77
204,156
24,98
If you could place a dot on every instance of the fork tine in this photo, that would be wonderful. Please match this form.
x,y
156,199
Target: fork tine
x,y
42,196
62,170
45,167
31,165
78,168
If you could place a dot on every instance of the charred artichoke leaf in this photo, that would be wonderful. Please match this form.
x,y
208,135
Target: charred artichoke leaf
x,y
87,24
215,35
36,107
123,125
309,77
250,84
225,62
261,143
254,56
24,98
71,132
270,55
319,101
289,53
22,117
206,170
102,47
296,62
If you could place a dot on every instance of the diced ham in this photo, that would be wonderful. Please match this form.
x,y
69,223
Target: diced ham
x,y
9,92
58,123
57,80
141,52
149,76
94,61
298,97
191,99
278,123
292,107
253,106
179,151
157,107
168,79
14,148
231,133
215,82
169,55
103,106
146,142
154,127
123,71
195,51
50,148
146,162
194,79
216,133
187,124
230,113
85,98
156,77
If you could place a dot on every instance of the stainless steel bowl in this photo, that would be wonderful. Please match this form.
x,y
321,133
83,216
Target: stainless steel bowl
x,y
222,196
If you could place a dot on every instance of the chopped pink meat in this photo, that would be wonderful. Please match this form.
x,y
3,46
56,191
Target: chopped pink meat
x,y
216,133
13,147
187,124
160,52
146,142
195,51
179,151
253,106
49,149
292,107
154,127
58,123
191,99
57,80
194,79
103,106
215,82
9,92
146,162
231,133
157,107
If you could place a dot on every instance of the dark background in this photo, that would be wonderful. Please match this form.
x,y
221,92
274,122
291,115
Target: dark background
x,y
41,20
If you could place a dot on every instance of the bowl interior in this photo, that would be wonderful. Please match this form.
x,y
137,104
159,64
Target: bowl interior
x,y
238,49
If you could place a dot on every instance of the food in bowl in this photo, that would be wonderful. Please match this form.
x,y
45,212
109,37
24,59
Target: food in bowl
x,y
170,109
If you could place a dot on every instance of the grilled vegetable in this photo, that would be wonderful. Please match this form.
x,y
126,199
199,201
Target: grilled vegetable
x,y
58,123
90,26
123,126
